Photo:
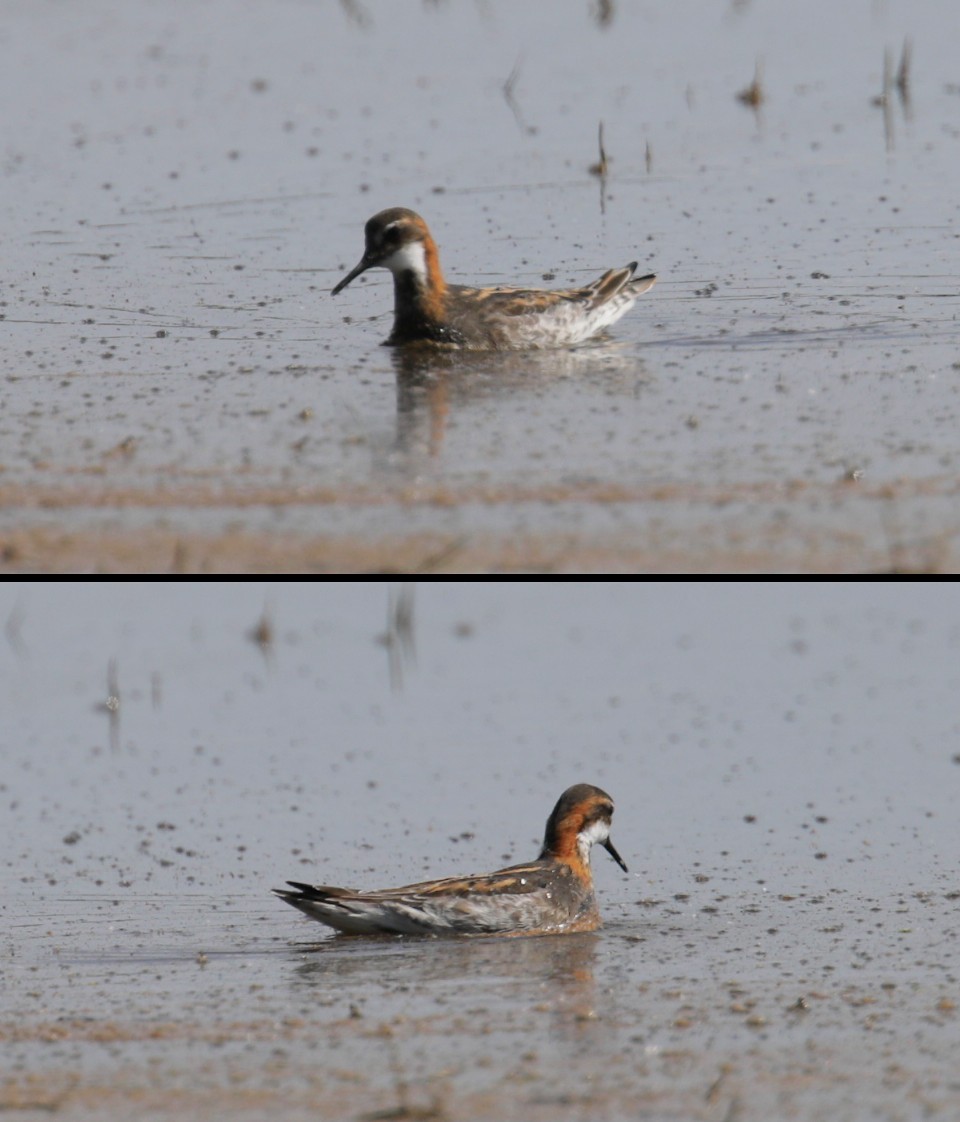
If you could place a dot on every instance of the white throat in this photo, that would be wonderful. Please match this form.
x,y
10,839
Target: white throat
x,y
597,831
409,258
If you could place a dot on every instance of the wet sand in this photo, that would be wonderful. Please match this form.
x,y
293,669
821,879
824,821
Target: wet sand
x,y
149,551
844,527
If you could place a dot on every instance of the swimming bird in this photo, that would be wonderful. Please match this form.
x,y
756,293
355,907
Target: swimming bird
x,y
429,310
552,895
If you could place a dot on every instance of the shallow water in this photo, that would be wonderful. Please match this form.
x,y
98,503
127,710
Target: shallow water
x,y
784,762
182,193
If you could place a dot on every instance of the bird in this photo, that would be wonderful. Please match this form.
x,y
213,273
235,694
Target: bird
x,y
428,310
550,896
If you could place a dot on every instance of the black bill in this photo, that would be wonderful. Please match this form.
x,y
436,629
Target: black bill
x,y
609,847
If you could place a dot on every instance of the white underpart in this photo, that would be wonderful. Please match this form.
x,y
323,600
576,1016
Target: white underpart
x,y
566,323
425,915
409,258
597,831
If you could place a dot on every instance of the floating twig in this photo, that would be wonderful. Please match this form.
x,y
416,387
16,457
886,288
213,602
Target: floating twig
x,y
753,95
508,87
903,75
399,638
262,632
599,169
882,100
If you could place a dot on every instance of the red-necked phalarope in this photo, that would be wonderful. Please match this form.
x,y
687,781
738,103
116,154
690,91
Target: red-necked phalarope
x,y
551,895
428,310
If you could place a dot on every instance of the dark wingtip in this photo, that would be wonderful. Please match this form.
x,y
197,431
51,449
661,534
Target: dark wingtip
x,y
299,890
639,285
